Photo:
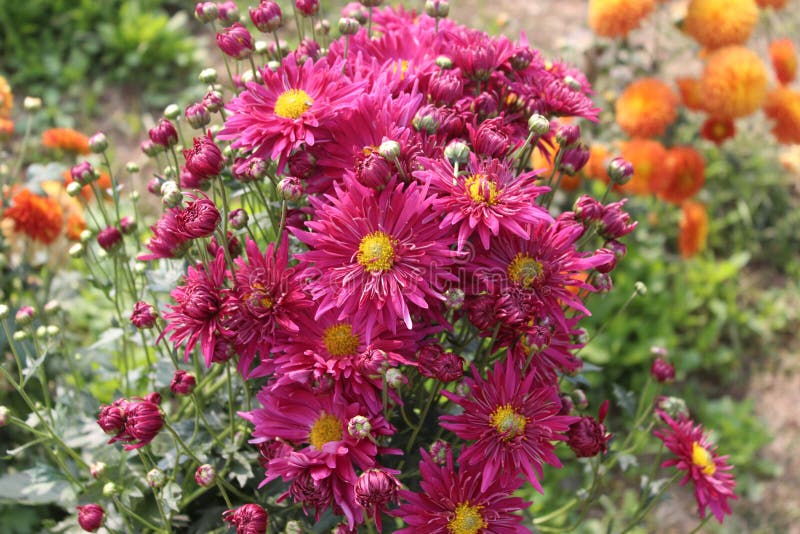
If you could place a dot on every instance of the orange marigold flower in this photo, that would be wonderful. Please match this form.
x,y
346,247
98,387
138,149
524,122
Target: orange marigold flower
x,y
75,225
543,157
691,94
616,18
6,99
783,107
734,82
774,4
717,23
693,228
649,174
40,218
646,108
66,139
717,130
783,55
596,167
686,174
6,128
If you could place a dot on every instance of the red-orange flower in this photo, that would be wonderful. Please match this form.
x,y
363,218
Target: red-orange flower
x,y
774,4
40,218
717,130
66,139
783,55
616,18
75,225
686,174
6,128
783,107
734,82
6,99
691,94
646,108
596,167
717,23
693,228
649,174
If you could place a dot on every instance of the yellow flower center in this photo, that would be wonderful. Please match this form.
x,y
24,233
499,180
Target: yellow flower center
x,y
508,422
325,429
292,104
402,66
481,190
376,252
703,459
524,270
340,340
258,298
468,520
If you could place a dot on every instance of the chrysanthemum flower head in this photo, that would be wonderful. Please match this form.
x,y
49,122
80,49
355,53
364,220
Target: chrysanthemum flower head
x,y
646,108
691,95
6,98
693,228
717,23
734,82
66,139
783,55
377,257
686,171
616,18
647,157
774,4
717,130
697,455
452,502
783,107
294,106
38,217
511,425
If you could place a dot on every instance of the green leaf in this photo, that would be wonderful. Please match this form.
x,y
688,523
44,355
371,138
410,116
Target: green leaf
x,y
38,485
171,495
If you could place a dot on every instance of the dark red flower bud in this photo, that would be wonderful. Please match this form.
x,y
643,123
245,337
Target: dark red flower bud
x,y
609,263
109,238
615,222
204,159
143,421
197,115
163,134
374,489
308,8
587,209
587,437
144,315
662,370
83,173
90,516
112,417
446,89
182,383
199,219
236,41
434,362
248,519
568,134
205,12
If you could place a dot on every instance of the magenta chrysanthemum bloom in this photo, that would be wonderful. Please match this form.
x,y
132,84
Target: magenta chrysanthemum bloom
x,y
204,160
134,423
248,519
266,297
319,424
295,106
534,275
697,455
236,41
512,423
487,199
453,502
198,314
90,516
167,240
377,257
199,219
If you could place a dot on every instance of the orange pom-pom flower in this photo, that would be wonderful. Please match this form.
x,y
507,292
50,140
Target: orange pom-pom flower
x,y
783,55
647,157
693,228
646,108
686,174
66,139
616,18
783,107
734,83
717,23
40,218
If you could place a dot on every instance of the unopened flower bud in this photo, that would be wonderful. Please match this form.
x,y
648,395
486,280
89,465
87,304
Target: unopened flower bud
x,y
572,83
620,171
197,116
359,427
20,335
83,173
293,527
182,383
156,478
98,143
32,103
3,311
110,489
41,332
568,134
144,315
580,400
454,298
238,219
538,124
262,47
150,149
438,9
164,133
90,517
457,152
566,405
236,41
291,188
132,167
97,469
127,225
172,111
76,251
74,189
3,416
205,476
52,330
348,26
109,238
267,16
85,236
444,62
206,12
228,12
323,27
662,371
640,288
389,150
438,451
171,195
208,76
24,316
394,378
675,407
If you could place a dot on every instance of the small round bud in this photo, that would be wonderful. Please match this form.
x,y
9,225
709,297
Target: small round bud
x,y
182,383
444,62
197,116
238,219
323,27
273,65
389,150
97,469
132,167
568,135
3,311
156,478
580,400
438,451
291,188
208,76
395,378
675,407
85,236
293,527
171,195
3,416
662,371
659,351
154,186
41,332
52,330
172,112
359,427
90,517
457,152
20,335
74,189
127,225
454,298
109,238
640,288
110,489
169,173
144,315
538,124
262,47
32,103
620,171
348,26
438,9
206,12
98,143
24,316
205,476
572,83
76,250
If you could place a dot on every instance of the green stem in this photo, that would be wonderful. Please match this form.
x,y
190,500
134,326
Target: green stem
x,y
701,524
136,516
645,509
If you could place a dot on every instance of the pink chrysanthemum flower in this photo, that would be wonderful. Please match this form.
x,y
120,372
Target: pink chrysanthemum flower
x,y
328,348
199,312
452,502
319,425
486,199
697,455
266,297
296,105
167,241
377,257
533,276
513,425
